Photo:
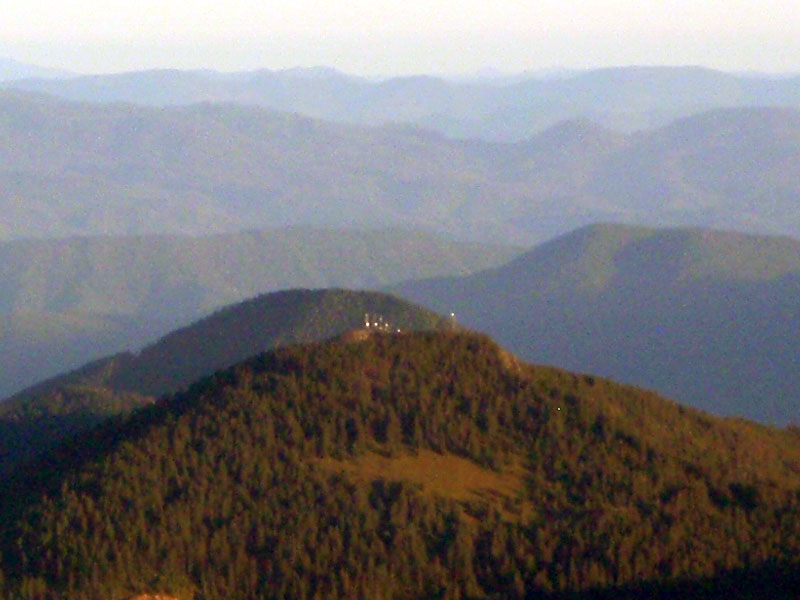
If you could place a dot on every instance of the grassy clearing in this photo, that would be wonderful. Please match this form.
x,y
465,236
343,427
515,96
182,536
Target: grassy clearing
x,y
445,475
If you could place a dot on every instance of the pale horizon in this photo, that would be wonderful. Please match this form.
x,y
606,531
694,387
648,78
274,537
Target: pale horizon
x,y
393,38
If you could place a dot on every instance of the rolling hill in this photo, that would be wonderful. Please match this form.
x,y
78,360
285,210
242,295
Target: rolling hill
x,y
67,301
709,318
40,416
78,169
426,465
625,98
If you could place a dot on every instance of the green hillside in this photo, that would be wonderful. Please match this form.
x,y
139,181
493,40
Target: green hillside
x,y
38,417
182,277
708,318
429,465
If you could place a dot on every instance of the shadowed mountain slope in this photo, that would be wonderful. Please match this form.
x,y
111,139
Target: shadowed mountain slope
x,y
38,417
37,345
709,318
312,469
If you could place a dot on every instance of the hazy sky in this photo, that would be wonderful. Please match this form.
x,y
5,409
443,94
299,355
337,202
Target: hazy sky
x,y
409,36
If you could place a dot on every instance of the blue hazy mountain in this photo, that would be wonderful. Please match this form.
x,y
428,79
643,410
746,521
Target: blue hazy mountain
x,y
113,169
493,108
12,70
708,318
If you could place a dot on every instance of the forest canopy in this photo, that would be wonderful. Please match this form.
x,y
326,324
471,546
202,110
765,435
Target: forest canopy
x,y
310,471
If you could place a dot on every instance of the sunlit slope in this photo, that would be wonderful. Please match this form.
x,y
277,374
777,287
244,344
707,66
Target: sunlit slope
x,y
312,469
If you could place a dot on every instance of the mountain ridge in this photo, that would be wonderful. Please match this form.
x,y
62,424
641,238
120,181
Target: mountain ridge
x,y
121,169
13,70
36,418
625,98
66,301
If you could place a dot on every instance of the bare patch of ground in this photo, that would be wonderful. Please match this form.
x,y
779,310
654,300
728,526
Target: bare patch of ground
x,y
446,475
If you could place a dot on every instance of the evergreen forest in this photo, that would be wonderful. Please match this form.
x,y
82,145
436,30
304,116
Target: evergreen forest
x,y
412,465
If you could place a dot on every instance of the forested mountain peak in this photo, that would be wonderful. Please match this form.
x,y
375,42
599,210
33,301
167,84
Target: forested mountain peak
x,y
67,301
37,417
241,330
416,465
577,133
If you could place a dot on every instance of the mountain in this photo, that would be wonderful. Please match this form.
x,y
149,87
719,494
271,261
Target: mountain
x,y
115,169
67,301
423,465
730,168
497,109
12,70
75,169
709,318
38,417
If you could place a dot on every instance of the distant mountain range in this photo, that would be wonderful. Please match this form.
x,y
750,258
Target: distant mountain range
x,y
37,418
708,318
412,465
76,169
12,70
505,109
64,302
